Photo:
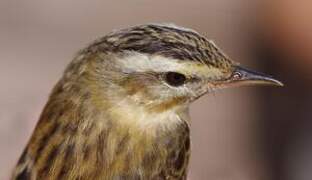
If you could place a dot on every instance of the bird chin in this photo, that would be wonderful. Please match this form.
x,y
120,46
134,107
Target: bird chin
x,y
202,92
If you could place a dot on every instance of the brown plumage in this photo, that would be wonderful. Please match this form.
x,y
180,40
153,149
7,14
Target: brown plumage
x,y
120,111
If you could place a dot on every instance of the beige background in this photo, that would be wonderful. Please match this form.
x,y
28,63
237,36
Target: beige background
x,y
38,38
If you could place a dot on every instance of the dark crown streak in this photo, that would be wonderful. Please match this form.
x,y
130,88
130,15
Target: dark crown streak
x,y
167,41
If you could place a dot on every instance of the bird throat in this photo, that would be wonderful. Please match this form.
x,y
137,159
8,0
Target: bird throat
x,y
145,140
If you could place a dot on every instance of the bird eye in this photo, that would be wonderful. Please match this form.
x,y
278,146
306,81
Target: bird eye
x,y
175,79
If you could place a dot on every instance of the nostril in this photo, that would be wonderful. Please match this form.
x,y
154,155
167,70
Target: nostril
x,y
236,76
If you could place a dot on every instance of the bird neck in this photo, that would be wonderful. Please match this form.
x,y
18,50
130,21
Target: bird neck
x,y
92,130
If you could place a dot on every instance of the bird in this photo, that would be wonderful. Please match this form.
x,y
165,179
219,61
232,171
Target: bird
x,y
121,108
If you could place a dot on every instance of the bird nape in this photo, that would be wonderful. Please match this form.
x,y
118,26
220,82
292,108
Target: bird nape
x,y
120,111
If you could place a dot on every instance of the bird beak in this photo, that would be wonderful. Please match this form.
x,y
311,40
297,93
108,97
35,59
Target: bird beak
x,y
242,76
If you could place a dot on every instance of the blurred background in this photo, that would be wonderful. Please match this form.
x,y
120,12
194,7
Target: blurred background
x,y
250,133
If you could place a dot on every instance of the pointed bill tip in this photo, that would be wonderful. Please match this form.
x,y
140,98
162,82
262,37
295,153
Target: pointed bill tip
x,y
274,82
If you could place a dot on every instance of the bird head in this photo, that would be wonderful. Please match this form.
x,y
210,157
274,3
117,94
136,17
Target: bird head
x,y
163,66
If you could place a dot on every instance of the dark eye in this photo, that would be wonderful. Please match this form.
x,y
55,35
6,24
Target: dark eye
x,y
175,79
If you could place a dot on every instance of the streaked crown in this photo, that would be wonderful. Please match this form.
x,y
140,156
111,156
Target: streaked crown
x,y
165,40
